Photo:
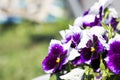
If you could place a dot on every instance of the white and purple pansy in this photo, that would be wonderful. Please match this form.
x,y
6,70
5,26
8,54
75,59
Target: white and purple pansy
x,y
92,42
73,35
89,20
56,58
113,57
87,34
93,16
112,18
91,53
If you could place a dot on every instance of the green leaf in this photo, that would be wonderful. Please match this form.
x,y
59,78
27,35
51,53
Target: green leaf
x,y
118,20
107,12
118,26
102,66
114,77
53,77
104,26
89,73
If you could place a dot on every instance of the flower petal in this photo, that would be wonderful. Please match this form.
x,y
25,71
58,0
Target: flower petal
x,y
73,54
114,63
75,74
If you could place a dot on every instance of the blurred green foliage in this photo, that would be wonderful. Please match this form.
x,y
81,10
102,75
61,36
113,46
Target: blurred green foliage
x,y
23,47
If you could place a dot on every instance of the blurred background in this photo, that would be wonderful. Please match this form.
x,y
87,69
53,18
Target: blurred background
x,y
26,28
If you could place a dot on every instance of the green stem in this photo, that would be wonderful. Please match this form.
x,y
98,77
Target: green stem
x,y
115,78
88,74
69,67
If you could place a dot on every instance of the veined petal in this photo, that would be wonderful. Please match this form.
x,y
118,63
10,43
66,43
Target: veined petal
x,y
114,63
114,48
113,57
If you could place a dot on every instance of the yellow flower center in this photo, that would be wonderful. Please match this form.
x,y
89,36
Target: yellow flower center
x,y
92,49
58,60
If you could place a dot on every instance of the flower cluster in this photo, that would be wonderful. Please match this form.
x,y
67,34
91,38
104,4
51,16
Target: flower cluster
x,y
90,49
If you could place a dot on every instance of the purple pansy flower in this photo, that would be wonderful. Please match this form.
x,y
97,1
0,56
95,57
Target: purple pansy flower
x,y
92,49
114,48
113,57
91,53
114,63
56,58
87,34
